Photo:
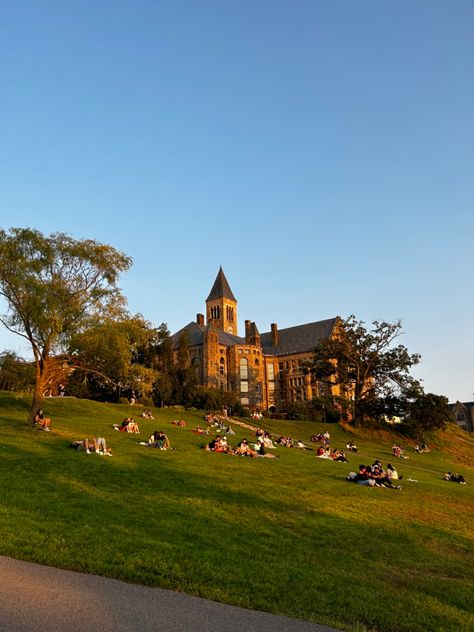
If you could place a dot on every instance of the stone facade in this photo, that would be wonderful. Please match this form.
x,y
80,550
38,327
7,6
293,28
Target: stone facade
x,y
463,415
265,371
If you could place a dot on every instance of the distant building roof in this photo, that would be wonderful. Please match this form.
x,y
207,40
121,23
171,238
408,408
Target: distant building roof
x,y
297,339
196,332
221,288
468,405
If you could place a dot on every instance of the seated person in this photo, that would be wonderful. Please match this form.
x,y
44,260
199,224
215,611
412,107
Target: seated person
x,y
41,420
244,449
351,447
392,473
338,455
219,444
268,441
260,450
229,430
323,453
159,440
364,476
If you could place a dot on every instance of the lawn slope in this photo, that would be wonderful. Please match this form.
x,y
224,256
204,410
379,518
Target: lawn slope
x,y
287,535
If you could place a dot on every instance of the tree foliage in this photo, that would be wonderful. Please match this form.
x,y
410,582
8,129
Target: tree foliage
x,y
16,374
425,413
52,285
365,364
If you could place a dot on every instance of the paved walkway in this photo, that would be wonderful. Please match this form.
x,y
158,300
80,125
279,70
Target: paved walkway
x,y
36,598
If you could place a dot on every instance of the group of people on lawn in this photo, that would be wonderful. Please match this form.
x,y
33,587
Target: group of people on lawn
x,y
371,475
375,476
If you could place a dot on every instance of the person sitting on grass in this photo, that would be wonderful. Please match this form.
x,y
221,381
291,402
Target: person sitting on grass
x,y
41,420
159,440
323,453
147,414
243,449
338,455
261,450
351,447
381,478
392,473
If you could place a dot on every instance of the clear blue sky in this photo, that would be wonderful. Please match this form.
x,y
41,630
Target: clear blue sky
x,y
322,152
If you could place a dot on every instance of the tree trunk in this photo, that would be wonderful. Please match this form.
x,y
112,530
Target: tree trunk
x,y
36,404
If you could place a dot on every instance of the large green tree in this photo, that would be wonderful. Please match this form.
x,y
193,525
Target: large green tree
x,y
366,364
425,413
116,350
52,285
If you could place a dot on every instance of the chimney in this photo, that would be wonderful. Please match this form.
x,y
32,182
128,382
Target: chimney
x,y
274,334
247,331
200,319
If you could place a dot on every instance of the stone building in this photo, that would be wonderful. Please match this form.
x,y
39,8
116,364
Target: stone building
x,y
463,415
264,370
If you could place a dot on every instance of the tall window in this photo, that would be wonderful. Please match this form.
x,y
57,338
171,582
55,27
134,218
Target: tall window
x,y
215,312
230,313
222,366
244,375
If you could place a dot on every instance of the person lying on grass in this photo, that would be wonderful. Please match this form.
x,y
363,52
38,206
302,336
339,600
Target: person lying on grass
x,y
97,446
455,478
41,421
128,425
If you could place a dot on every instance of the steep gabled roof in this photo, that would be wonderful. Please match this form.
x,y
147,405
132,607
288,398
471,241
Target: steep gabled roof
x,y
196,335
221,288
297,339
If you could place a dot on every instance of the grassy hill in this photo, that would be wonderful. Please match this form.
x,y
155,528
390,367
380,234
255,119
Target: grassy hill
x,y
287,535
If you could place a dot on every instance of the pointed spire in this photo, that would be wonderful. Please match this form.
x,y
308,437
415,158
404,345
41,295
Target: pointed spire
x,y
221,288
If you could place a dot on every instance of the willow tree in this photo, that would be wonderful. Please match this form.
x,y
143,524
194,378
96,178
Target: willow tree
x,y
52,285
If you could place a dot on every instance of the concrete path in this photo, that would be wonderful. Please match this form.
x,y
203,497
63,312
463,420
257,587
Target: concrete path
x,y
36,598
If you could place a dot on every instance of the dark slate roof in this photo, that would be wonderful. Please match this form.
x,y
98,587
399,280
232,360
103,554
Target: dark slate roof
x,y
221,288
196,335
468,405
297,339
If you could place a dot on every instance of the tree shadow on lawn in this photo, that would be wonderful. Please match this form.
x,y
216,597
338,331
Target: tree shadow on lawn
x,y
208,536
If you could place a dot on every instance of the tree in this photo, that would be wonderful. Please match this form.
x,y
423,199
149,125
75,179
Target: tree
x,y
425,413
16,374
364,364
185,376
114,350
52,285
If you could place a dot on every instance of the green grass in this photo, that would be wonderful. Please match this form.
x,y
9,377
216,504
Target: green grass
x,y
287,535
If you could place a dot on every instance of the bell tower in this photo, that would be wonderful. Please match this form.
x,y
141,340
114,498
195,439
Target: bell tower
x,y
221,306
